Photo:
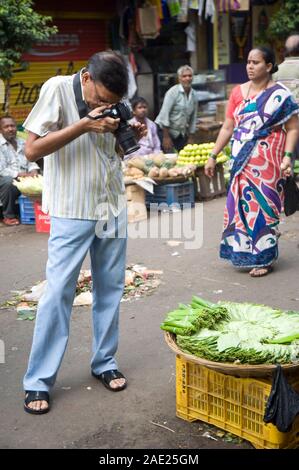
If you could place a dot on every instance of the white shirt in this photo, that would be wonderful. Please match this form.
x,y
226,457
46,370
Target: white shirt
x,y
13,162
82,174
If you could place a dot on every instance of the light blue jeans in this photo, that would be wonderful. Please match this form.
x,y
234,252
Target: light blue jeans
x,y
69,242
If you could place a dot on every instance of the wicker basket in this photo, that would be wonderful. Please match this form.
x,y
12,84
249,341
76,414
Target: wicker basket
x,y
171,179
237,370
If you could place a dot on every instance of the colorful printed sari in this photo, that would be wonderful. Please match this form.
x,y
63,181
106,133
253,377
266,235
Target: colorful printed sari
x,y
255,193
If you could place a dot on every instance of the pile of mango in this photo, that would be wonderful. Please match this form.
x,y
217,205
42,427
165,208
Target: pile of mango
x,y
198,154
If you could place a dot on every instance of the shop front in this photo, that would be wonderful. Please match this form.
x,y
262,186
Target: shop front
x,y
82,30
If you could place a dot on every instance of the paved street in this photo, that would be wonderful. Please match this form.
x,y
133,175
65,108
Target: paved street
x,y
86,415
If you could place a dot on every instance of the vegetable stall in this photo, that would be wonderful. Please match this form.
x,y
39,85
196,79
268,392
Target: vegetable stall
x,y
30,202
235,363
176,178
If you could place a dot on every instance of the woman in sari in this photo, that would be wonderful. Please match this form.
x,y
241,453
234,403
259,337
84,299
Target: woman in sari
x,y
262,124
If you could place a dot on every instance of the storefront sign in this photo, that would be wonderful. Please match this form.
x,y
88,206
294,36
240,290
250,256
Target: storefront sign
x,y
63,54
26,84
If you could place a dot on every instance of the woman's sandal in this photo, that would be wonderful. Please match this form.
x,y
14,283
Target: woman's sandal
x,y
262,271
109,375
32,396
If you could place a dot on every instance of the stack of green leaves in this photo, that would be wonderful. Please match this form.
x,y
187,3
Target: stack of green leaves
x,y
241,333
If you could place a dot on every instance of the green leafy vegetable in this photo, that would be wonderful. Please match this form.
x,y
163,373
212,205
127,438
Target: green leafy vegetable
x,y
235,332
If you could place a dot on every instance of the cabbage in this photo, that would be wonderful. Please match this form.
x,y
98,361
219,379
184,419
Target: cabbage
x,y
30,185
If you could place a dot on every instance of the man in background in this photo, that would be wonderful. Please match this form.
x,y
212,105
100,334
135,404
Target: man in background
x,y
288,70
177,117
13,164
288,73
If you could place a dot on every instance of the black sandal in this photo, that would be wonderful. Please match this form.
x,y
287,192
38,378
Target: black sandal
x,y
109,375
36,396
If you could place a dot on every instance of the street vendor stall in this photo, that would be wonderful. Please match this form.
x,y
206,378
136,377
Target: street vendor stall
x,y
233,363
30,203
198,154
164,181
178,179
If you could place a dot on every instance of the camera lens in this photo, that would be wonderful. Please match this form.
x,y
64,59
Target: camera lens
x,y
126,138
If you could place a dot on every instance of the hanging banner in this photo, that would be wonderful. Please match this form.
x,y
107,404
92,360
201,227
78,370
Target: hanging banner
x,y
223,39
235,5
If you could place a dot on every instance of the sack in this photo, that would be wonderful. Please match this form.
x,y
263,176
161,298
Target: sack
x,y
291,196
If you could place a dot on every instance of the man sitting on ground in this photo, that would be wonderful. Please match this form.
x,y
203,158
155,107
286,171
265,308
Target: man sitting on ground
x,y
13,164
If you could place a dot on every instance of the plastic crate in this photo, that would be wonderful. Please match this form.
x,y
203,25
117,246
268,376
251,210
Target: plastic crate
x,y
27,215
208,188
234,404
42,220
168,194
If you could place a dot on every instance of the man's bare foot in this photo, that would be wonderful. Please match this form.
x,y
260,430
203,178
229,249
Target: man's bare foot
x,y
38,405
36,402
112,379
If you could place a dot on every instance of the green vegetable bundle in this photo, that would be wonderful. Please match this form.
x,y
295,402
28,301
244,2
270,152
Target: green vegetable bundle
x,y
190,318
239,333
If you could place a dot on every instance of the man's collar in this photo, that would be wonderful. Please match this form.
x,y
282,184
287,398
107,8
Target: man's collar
x,y
3,141
182,89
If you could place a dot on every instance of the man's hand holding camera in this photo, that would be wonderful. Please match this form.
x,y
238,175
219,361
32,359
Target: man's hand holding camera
x,y
105,124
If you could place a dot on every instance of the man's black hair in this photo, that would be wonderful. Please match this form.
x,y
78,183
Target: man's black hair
x,y
110,69
138,100
7,117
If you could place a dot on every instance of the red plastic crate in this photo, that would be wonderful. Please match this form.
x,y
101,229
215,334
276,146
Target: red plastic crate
x,y
42,220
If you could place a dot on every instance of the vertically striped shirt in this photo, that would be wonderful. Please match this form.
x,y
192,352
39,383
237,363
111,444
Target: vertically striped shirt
x,y
82,174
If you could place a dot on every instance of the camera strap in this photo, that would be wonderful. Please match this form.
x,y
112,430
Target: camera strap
x,y
81,105
83,109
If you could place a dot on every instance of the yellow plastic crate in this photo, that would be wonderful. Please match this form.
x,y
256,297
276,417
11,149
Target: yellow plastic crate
x,y
234,404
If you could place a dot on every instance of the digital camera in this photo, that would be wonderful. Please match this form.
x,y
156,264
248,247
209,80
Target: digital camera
x,y
124,133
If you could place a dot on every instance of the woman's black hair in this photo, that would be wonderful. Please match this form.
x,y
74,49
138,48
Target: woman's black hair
x,y
138,100
269,57
110,69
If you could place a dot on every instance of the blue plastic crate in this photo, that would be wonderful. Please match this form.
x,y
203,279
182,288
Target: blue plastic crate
x,y
177,193
27,215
